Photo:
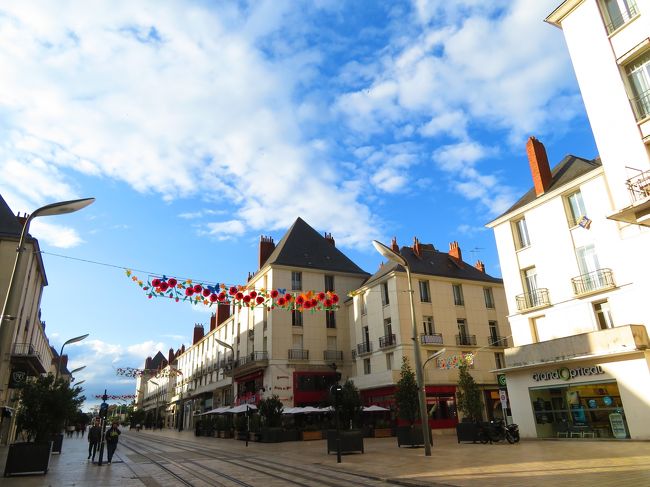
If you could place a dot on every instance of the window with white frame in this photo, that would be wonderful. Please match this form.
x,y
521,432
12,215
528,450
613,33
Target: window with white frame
x,y
638,74
366,366
384,293
296,317
489,297
603,315
499,360
329,283
618,12
424,291
522,240
427,325
458,294
330,319
296,281
389,361
575,208
362,304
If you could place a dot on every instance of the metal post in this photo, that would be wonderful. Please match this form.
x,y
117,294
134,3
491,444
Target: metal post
x,y
248,424
103,410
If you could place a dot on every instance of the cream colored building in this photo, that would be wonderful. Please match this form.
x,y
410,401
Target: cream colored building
x,y
24,347
457,306
573,249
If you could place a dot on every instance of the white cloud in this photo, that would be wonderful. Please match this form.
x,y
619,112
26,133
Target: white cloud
x,y
55,235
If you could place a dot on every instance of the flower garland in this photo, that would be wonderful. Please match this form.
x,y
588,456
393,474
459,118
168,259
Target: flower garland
x,y
241,296
455,361
133,372
123,397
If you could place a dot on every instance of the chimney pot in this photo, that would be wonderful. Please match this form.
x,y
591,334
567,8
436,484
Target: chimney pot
x,y
198,333
330,239
223,312
393,245
454,251
416,247
539,166
267,246
480,266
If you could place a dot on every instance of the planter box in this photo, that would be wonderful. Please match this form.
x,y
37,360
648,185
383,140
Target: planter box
x,y
271,435
26,458
467,432
411,436
225,434
291,435
351,441
383,432
57,443
254,436
312,435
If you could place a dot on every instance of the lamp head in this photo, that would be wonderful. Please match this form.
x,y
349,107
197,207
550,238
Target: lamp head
x,y
62,207
389,254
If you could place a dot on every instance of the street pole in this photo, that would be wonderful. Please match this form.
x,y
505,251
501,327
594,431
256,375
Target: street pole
x,y
103,412
72,340
424,418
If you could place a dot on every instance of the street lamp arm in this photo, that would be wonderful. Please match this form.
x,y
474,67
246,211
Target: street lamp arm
x,y
435,355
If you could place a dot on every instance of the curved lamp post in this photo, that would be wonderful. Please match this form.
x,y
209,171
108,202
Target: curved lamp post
x,y
72,340
11,303
232,377
157,395
80,382
424,418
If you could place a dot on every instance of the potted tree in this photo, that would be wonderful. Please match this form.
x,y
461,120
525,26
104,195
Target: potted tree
x,y
406,397
469,404
348,407
45,406
270,410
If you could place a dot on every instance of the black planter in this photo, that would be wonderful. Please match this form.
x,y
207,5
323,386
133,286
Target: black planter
x,y
351,441
28,458
467,431
410,435
271,435
57,443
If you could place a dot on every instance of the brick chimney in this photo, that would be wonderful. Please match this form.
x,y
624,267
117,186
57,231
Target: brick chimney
x,y
213,321
454,251
330,239
267,246
393,245
539,167
480,266
198,333
223,312
170,356
147,363
22,219
182,348
416,247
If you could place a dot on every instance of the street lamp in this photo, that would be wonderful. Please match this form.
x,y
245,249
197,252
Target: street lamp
x,y
77,370
11,304
390,255
157,393
72,340
80,382
232,380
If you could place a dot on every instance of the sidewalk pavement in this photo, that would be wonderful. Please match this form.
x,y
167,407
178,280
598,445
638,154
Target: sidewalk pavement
x,y
575,462
71,468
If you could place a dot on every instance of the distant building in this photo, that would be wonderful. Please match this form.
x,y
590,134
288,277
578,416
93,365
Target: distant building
x,y
573,249
457,306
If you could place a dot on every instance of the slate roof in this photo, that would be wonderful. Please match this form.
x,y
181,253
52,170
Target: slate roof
x,y
569,168
304,247
431,262
9,226
159,361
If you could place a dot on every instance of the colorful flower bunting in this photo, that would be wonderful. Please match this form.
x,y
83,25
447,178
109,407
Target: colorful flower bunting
x,y
133,372
241,296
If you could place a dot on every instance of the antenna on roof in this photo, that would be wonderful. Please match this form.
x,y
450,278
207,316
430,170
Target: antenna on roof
x,y
475,250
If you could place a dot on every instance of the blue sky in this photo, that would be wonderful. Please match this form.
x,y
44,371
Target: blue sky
x,y
200,126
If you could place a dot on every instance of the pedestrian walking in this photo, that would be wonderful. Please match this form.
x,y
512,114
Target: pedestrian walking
x,y
94,437
69,430
83,430
112,436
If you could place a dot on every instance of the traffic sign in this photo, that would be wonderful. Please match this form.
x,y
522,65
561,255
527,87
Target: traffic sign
x,y
503,396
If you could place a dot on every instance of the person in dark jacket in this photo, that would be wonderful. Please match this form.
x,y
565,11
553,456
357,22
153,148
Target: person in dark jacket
x,y
94,437
112,435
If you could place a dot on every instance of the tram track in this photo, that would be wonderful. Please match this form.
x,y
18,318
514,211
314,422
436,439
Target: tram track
x,y
288,474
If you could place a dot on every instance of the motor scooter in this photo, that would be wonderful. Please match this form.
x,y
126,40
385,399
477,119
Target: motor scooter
x,y
498,430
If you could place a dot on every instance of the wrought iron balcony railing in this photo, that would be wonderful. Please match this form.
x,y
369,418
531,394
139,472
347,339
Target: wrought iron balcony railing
x,y
622,17
252,357
387,341
364,348
298,354
639,185
465,339
333,355
498,341
593,281
431,339
535,299
26,349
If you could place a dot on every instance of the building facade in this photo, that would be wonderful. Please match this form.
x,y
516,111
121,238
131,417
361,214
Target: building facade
x,y
572,249
457,306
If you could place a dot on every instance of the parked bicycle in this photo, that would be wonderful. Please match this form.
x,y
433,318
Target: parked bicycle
x,y
498,430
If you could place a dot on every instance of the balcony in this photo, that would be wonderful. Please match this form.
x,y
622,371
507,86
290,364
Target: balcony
x,y
532,300
387,341
252,357
25,355
601,343
364,348
620,18
431,339
639,189
333,355
466,340
298,354
593,282
641,106
498,341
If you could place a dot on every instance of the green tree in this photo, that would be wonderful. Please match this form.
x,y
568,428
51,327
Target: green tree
x,y
136,417
406,395
469,395
350,405
45,406
271,410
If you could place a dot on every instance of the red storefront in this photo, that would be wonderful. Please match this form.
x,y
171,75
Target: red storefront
x,y
312,388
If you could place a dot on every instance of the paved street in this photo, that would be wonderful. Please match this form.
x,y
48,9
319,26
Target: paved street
x,y
168,458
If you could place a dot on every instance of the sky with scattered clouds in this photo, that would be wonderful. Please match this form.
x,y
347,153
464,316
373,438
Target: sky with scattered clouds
x,y
200,126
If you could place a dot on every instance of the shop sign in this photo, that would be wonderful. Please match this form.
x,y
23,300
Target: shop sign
x,y
501,379
566,373
17,379
503,397
618,425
